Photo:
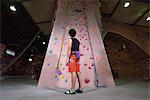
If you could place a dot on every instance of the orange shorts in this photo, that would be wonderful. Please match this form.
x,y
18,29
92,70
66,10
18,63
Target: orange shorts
x,y
74,65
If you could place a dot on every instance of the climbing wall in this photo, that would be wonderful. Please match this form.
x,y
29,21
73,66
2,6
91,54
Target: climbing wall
x,y
95,69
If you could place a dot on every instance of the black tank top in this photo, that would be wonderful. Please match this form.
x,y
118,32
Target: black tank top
x,y
75,44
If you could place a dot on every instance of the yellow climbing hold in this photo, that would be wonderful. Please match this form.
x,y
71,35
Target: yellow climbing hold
x,y
62,76
62,46
60,64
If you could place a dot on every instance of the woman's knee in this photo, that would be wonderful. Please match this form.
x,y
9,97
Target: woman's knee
x,y
73,73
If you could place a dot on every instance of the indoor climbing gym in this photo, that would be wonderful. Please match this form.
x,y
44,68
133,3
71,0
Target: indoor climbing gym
x,y
74,50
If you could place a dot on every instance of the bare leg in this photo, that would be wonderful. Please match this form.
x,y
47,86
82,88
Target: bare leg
x,y
73,80
80,80
73,77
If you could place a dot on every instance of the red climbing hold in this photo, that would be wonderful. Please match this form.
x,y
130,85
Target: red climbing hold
x,y
87,80
81,54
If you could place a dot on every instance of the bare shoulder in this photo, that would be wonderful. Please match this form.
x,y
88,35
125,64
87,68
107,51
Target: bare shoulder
x,y
69,40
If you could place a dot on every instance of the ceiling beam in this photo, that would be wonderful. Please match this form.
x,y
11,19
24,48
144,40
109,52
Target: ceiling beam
x,y
43,22
140,17
135,25
116,6
139,25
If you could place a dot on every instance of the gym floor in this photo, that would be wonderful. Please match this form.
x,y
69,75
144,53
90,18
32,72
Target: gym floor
x,y
26,89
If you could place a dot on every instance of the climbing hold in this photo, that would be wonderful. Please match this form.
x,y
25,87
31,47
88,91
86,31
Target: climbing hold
x,y
81,54
60,64
85,64
58,72
63,68
55,77
97,58
84,17
87,81
55,38
61,76
62,46
93,64
50,51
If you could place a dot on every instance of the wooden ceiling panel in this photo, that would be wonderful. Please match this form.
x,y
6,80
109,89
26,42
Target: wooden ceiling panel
x,y
130,14
108,5
45,28
40,10
142,21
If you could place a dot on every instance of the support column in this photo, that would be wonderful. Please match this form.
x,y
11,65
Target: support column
x,y
93,63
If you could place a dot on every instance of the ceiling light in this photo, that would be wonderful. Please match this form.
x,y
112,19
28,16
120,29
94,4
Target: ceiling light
x,y
10,52
30,59
148,18
126,4
38,36
43,42
12,8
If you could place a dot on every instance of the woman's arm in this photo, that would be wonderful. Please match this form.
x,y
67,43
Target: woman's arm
x,y
69,48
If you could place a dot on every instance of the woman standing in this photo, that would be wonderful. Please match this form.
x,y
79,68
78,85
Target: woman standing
x,y
73,56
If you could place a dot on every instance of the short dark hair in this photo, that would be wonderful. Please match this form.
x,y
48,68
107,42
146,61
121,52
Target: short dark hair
x,y
72,32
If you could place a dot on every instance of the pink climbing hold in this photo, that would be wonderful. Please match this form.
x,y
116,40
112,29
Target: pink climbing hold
x,y
97,58
93,64
87,80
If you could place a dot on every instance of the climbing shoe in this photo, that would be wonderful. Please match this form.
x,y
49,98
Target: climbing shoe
x,y
69,92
